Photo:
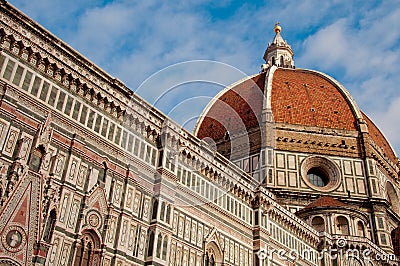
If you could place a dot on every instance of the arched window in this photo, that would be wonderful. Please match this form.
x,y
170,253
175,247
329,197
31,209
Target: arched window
x,y
151,244
226,137
103,173
360,229
168,214
51,222
162,211
281,61
155,207
273,61
318,223
213,255
342,226
159,243
165,247
393,197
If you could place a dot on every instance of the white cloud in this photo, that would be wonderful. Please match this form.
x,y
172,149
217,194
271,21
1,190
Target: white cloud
x,y
135,40
57,16
103,30
389,122
188,80
363,53
328,47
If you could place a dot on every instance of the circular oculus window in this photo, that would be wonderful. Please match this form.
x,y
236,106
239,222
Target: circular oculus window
x,y
320,173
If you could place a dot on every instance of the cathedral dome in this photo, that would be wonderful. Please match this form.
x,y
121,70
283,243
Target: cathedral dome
x,y
234,109
297,96
288,97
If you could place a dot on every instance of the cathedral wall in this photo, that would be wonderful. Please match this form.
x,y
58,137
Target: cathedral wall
x,y
102,192
288,175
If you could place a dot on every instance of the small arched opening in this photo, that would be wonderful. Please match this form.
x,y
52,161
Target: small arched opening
x,y
162,211
159,245
318,224
360,229
150,245
103,172
50,224
393,197
165,248
155,209
168,214
342,226
213,255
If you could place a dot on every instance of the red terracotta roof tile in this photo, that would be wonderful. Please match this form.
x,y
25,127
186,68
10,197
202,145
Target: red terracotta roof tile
x,y
304,98
298,97
325,201
236,110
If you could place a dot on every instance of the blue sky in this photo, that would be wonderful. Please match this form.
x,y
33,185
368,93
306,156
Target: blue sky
x,y
144,43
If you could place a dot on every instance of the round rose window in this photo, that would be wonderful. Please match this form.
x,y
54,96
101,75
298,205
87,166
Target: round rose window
x,y
320,173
